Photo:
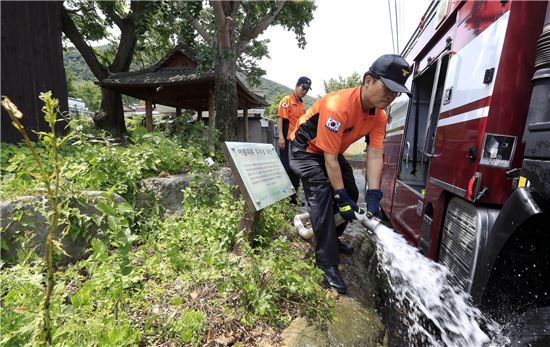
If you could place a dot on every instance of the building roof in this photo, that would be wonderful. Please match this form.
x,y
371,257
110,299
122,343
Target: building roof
x,y
175,81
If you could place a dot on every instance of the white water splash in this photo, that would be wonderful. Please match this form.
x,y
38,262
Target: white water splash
x,y
422,291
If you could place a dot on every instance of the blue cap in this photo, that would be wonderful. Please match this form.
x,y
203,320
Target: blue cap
x,y
393,70
304,82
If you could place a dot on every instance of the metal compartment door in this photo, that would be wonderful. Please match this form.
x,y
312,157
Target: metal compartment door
x,y
416,150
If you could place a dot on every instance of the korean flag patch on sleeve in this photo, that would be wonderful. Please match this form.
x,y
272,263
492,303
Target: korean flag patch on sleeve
x,y
332,124
284,105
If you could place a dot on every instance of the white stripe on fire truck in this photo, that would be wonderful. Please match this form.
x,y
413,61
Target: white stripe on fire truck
x,y
393,133
464,117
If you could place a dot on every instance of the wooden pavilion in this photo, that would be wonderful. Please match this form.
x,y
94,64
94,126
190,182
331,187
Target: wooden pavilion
x,y
174,81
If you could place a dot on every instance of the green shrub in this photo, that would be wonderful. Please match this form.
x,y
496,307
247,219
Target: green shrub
x,y
93,166
143,279
189,327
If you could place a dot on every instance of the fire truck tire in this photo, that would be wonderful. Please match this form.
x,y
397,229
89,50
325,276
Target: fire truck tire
x,y
531,328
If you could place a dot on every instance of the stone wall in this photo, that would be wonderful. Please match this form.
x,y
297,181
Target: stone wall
x,y
24,227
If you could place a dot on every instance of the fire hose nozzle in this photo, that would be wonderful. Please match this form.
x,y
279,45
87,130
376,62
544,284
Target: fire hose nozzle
x,y
305,233
365,218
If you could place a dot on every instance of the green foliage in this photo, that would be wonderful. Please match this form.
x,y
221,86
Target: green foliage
x,y
70,78
22,293
271,279
89,92
273,108
75,68
295,16
188,132
274,222
149,280
272,274
189,328
148,289
156,27
351,81
84,126
103,166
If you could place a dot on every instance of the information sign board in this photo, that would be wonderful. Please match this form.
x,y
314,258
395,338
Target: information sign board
x,y
261,175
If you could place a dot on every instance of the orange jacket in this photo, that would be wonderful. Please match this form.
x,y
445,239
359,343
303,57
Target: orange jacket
x,y
336,121
290,108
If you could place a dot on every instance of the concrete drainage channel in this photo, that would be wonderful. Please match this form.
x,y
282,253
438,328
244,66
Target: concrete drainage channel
x,y
356,322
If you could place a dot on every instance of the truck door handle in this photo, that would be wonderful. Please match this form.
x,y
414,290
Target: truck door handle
x,y
408,146
427,154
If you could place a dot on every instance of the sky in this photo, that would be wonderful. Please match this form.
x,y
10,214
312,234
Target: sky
x,y
345,36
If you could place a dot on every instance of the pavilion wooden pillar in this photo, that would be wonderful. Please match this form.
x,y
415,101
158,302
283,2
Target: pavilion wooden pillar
x,y
149,115
245,125
178,112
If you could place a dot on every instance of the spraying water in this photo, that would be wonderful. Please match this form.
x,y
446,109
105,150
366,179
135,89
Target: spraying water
x,y
422,291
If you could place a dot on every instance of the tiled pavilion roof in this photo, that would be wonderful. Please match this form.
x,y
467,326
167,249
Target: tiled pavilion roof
x,y
175,81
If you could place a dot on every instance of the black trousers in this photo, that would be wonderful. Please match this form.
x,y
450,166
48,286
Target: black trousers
x,y
321,207
294,179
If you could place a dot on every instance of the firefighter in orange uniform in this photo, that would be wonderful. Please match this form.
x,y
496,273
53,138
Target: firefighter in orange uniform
x,y
317,145
290,109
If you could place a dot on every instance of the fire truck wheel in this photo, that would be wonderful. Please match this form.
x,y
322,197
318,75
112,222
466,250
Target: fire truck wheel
x,y
531,328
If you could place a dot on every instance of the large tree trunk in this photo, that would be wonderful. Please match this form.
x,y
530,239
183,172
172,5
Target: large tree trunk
x,y
226,96
111,117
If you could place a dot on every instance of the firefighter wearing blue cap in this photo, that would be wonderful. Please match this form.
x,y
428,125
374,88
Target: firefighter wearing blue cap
x,y
318,142
291,107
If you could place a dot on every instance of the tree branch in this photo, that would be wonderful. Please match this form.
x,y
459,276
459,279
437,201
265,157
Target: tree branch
x,y
112,15
247,22
137,8
231,8
128,37
248,35
69,29
126,47
218,10
196,25
221,23
200,29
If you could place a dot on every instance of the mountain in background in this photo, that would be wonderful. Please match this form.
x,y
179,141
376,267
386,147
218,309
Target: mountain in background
x,y
267,88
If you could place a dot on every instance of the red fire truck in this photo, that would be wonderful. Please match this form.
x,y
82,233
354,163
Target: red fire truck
x,y
467,156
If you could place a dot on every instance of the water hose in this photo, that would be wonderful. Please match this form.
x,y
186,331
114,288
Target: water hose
x,y
305,233
371,223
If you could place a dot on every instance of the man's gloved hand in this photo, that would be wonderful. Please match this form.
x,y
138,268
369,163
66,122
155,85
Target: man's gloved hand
x,y
373,202
346,206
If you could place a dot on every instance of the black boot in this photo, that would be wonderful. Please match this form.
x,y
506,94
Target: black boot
x,y
344,248
333,279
